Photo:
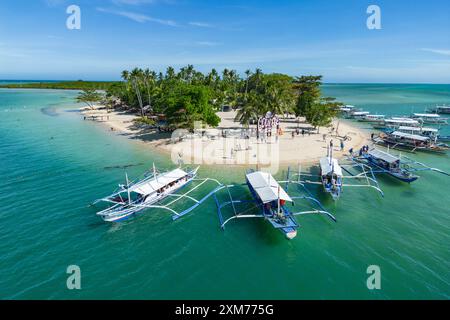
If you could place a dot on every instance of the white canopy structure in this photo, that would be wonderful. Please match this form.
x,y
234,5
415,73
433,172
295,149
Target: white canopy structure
x,y
266,187
402,121
404,135
426,115
379,154
329,166
417,129
360,113
146,187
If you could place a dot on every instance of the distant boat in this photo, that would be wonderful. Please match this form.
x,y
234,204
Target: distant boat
x,y
358,114
387,163
430,118
373,118
348,110
431,133
396,122
410,142
399,167
443,109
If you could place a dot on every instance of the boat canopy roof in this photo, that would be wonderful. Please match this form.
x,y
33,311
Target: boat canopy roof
x,y
426,115
361,113
376,116
329,166
379,154
267,187
410,136
149,186
417,129
402,120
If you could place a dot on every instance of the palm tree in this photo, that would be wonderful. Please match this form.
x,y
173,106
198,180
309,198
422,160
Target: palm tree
x,y
246,113
125,75
149,79
136,78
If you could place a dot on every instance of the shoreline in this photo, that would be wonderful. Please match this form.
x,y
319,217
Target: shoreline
x,y
212,149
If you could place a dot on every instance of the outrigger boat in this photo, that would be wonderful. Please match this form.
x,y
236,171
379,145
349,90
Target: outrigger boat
x,y
396,122
359,115
347,110
271,200
149,192
332,176
444,109
373,118
400,167
410,142
430,118
431,133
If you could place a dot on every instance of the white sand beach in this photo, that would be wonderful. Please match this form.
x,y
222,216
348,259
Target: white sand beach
x,y
208,146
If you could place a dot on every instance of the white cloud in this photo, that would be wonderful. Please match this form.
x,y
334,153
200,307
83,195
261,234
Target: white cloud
x,y
201,24
141,18
208,43
437,51
133,2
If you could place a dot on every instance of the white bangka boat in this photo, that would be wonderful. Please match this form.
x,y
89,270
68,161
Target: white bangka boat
x,y
359,115
332,176
410,142
270,202
432,133
148,192
443,109
398,166
373,118
430,118
395,122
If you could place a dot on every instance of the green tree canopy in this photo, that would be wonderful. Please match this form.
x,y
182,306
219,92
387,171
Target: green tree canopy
x,y
89,96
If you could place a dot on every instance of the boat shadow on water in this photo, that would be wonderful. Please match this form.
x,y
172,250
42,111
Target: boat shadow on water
x,y
50,111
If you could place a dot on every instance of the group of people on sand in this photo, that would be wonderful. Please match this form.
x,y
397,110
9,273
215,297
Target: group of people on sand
x,y
362,150
341,144
303,132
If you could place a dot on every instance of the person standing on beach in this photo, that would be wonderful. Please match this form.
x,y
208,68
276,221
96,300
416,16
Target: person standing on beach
x,y
342,145
331,144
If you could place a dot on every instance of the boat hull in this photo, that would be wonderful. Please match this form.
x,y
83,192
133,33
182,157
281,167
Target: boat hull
x,y
288,227
126,213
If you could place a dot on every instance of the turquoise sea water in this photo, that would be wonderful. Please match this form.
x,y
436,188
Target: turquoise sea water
x,y
53,165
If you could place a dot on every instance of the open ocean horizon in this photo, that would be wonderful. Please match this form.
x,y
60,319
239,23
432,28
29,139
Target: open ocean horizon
x,y
53,165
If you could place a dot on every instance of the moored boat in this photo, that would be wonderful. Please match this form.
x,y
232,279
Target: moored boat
x,y
271,202
399,167
410,142
430,118
442,109
358,115
396,122
387,163
373,118
133,198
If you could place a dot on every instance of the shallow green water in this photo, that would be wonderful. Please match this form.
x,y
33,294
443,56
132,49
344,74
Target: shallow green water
x,y
53,165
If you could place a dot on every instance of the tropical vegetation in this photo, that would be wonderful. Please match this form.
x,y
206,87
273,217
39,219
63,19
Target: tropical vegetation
x,y
188,95
64,85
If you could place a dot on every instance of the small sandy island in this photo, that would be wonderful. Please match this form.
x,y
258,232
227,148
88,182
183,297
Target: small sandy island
x,y
230,143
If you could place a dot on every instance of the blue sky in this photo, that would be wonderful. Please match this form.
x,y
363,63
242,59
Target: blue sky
x,y
295,37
